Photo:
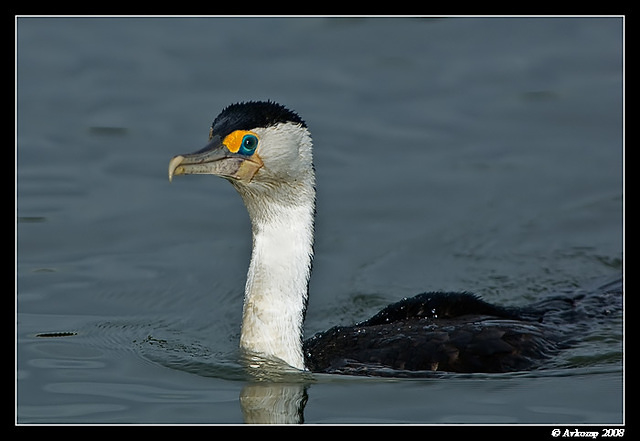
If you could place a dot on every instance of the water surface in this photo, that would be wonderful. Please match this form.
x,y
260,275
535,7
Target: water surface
x,y
479,154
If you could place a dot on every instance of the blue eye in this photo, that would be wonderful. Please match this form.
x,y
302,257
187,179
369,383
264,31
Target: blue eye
x,y
248,145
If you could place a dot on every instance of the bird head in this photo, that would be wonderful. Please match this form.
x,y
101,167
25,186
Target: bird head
x,y
252,143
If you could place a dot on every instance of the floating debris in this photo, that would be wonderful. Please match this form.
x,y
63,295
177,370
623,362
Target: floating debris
x,y
57,334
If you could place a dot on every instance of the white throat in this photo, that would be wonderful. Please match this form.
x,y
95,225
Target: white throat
x,y
282,216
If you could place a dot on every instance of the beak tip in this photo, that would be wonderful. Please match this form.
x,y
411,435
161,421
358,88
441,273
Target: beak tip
x,y
173,165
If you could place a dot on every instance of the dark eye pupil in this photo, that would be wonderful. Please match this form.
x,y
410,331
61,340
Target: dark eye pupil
x,y
249,144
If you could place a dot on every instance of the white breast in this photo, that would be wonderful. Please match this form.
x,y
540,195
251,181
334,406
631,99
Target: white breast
x,y
276,288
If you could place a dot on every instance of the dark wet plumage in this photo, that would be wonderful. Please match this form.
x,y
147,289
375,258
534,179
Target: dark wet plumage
x,y
458,332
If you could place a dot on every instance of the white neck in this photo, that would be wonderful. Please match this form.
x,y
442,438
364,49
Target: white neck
x,y
277,281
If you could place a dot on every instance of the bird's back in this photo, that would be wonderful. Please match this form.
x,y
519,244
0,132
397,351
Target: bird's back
x,y
454,332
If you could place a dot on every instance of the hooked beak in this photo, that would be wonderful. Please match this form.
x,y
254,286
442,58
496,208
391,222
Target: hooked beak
x,y
216,159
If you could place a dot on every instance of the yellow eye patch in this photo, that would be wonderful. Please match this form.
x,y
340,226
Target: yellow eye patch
x,y
242,141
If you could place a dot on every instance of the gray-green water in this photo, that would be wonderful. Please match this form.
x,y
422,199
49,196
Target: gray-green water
x,y
479,154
